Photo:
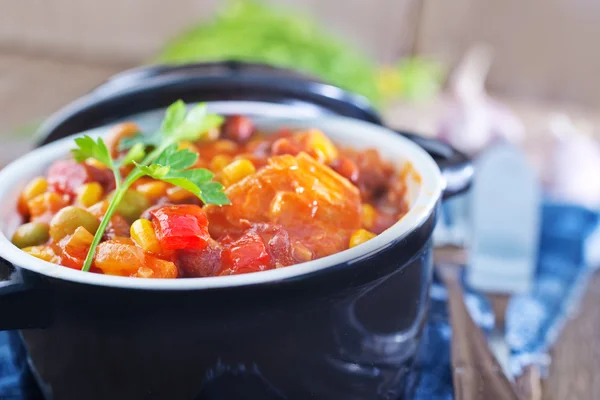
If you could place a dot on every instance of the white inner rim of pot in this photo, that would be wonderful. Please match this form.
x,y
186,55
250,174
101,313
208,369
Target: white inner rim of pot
x,y
347,131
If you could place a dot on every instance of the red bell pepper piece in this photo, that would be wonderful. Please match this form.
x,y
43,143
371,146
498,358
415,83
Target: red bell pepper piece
x,y
180,227
246,254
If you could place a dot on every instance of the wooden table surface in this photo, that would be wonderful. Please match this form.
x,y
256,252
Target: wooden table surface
x,y
33,87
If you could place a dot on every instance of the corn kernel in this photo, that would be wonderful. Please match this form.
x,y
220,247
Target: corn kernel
x,y
236,171
43,252
360,236
36,187
152,190
189,146
89,194
219,162
142,233
320,146
368,216
177,194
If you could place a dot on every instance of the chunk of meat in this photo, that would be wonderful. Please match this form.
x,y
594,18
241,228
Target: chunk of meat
x,y
278,244
316,205
200,263
374,173
66,176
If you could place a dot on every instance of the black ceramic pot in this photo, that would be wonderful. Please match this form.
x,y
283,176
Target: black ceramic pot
x,y
343,327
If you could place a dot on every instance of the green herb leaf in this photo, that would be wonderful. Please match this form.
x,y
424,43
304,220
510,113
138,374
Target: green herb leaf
x,y
196,124
212,193
174,116
165,162
153,140
154,171
88,148
176,159
196,176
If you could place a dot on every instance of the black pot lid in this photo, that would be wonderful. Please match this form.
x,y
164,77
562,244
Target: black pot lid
x,y
154,87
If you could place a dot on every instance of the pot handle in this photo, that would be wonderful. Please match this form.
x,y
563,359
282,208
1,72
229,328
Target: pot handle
x,y
24,299
456,167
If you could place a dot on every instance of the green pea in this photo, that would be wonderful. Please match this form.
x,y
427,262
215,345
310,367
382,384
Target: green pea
x,y
67,220
31,234
132,205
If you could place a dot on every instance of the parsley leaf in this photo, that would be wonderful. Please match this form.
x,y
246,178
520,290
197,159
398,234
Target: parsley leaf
x,y
169,167
176,159
212,193
146,140
174,116
196,124
166,162
88,148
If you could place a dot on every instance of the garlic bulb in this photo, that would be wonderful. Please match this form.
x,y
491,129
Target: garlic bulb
x,y
471,120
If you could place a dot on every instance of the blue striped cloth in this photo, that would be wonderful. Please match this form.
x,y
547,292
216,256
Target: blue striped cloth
x,y
569,236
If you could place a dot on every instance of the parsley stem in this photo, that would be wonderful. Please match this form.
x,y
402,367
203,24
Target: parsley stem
x,y
112,207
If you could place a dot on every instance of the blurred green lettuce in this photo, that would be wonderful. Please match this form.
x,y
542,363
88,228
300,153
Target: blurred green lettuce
x,y
254,32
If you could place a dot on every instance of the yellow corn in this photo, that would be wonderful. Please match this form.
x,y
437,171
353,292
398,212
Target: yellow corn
x,y
360,236
189,146
37,186
178,194
152,190
219,162
321,146
142,232
89,194
236,171
43,252
368,216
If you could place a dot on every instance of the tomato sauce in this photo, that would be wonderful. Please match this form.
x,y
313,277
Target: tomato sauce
x,y
295,197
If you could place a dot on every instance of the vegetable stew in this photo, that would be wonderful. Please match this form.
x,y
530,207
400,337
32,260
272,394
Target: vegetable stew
x,y
207,196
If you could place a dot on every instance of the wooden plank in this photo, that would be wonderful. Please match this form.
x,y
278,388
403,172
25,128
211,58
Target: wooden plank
x,y
33,88
545,49
576,357
116,31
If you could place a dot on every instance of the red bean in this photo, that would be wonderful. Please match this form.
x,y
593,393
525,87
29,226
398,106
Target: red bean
x,y
238,128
